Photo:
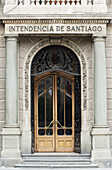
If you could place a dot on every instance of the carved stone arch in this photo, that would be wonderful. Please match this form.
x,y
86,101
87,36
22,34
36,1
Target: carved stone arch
x,y
27,71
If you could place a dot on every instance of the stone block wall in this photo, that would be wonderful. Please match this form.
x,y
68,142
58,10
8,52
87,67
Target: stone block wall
x,y
109,76
2,80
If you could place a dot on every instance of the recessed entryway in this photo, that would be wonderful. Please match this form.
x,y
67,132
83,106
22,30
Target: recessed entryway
x,y
56,100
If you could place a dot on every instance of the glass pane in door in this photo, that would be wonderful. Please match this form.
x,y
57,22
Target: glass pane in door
x,y
41,86
49,82
41,111
49,107
60,107
68,111
68,87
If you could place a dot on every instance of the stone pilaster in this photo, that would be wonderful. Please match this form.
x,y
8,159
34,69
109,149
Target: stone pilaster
x,y
100,131
11,132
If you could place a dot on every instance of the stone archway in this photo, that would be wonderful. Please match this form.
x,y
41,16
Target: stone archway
x,y
26,83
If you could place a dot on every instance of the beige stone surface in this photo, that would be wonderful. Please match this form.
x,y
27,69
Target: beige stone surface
x,y
109,75
109,72
108,52
2,73
109,94
2,30
109,115
109,63
109,122
20,115
2,123
2,52
2,83
109,83
2,94
2,78
0,141
2,115
111,141
20,104
20,94
2,105
20,83
2,63
2,42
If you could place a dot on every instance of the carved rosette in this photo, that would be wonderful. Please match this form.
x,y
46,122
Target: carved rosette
x,y
43,44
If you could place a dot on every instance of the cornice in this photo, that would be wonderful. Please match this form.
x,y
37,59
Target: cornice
x,y
55,21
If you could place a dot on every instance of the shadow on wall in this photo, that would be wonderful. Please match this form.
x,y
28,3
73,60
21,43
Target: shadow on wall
x,y
109,4
2,3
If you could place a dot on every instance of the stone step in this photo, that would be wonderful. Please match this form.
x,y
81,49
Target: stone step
x,y
57,163
55,166
56,160
52,155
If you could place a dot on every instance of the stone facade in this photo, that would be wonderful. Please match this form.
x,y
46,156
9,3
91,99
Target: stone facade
x,y
2,80
21,127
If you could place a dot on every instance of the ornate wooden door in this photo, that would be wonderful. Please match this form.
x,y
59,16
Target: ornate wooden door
x,y
54,112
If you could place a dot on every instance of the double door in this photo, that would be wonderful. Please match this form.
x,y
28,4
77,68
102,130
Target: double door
x,y
54,112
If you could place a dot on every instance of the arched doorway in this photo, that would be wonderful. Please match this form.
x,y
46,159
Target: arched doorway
x,y
56,100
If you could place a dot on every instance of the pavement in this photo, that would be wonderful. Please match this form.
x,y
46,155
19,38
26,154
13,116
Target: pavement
x,y
3,168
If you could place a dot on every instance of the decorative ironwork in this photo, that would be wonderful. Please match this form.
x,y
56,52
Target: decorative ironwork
x,y
55,2
77,113
55,58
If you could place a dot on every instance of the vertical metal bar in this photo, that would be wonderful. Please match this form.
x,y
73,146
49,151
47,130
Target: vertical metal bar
x,y
36,113
45,106
55,107
53,111
64,106
73,112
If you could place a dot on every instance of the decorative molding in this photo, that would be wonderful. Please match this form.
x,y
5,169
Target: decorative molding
x,y
55,21
43,44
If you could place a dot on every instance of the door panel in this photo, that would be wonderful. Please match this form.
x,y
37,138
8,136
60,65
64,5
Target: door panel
x,y
54,113
44,127
65,115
